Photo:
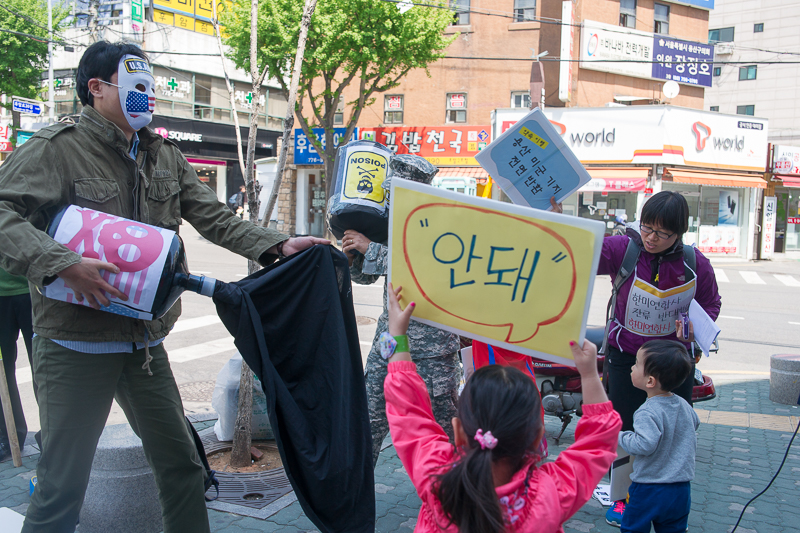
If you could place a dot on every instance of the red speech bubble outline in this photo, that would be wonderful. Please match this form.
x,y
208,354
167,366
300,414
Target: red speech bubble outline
x,y
550,232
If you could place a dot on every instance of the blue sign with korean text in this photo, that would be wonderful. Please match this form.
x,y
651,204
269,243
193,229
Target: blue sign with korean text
x,y
22,106
682,61
532,163
304,151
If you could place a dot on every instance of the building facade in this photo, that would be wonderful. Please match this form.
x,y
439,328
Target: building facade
x,y
746,34
501,50
750,36
193,106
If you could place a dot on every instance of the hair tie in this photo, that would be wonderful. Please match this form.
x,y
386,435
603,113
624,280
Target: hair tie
x,y
486,440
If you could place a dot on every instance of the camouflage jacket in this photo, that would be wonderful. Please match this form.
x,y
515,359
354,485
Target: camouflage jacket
x,y
424,341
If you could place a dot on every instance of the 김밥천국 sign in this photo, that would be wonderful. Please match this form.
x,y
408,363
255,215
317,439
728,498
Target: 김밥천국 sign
x,y
505,274
440,145
532,163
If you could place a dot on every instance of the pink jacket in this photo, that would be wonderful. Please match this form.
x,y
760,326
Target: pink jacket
x,y
556,490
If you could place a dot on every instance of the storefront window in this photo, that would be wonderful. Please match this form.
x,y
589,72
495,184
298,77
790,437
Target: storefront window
x,y
607,207
717,218
787,227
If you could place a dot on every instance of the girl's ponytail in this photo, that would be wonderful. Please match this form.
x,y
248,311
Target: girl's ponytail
x,y
468,496
500,411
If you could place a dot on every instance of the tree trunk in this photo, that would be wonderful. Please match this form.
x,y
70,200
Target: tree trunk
x,y
288,122
242,433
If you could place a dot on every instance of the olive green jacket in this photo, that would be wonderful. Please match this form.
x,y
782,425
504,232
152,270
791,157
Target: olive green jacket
x,y
88,165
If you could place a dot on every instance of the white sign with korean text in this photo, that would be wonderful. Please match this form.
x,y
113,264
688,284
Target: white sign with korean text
x,y
768,227
785,160
655,135
567,44
603,43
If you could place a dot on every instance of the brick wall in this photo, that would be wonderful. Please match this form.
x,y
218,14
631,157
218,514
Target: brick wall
x,y
287,194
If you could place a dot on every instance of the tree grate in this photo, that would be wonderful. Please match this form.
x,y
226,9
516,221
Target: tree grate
x,y
255,490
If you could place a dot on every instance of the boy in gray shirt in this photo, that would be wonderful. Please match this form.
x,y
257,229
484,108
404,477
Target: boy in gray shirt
x,y
663,440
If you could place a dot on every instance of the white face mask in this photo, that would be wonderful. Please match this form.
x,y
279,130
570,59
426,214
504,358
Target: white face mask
x,y
137,105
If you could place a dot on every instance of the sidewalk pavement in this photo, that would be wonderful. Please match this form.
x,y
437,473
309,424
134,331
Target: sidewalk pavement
x,y
741,441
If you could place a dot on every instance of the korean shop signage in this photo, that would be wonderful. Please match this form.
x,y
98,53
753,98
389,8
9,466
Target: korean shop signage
x,y
446,145
644,55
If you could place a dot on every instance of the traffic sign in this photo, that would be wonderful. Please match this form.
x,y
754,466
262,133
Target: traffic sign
x,y
26,107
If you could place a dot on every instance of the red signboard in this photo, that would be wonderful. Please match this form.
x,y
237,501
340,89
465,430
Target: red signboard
x,y
394,102
5,146
457,101
793,220
442,145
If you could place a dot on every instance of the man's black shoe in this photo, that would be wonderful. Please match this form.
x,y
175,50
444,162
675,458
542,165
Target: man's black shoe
x,y
5,450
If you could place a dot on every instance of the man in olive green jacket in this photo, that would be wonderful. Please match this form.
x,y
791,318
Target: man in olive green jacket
x,y
83,357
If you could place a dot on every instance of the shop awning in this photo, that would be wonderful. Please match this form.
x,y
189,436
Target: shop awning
x,y
717,179
464,172
611,179
789,181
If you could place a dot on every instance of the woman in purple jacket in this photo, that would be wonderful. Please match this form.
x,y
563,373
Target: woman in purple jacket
x,y
650,301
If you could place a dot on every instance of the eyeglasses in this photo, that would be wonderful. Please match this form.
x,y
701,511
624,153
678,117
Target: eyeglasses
x,y
647,230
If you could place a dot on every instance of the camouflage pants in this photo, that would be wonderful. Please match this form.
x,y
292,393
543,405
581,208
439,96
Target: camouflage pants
x,y
442,376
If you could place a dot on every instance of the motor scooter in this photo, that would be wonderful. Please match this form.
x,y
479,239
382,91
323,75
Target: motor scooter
x,y
560,385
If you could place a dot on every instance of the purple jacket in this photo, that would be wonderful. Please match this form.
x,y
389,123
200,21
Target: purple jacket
x,y
671,273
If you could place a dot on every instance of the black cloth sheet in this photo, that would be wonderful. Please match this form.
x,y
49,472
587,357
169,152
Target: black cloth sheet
x,y
295,326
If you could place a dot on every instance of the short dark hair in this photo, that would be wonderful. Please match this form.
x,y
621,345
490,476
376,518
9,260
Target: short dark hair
x,y
667,361
101,60
669,210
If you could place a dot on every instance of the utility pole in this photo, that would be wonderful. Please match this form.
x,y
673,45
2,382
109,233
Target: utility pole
x,y
51,90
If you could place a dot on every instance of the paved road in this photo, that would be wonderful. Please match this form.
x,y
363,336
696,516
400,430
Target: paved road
x,y
760,316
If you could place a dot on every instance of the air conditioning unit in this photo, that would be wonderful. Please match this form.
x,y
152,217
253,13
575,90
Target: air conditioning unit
x,y
722,49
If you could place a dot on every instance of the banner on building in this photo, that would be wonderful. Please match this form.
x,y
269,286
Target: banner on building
x,y
617,50
454,146
192,15
505,274
768,224
785,160
304,151
650,135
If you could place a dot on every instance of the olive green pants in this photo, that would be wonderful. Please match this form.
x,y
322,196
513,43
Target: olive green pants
x,y
75,394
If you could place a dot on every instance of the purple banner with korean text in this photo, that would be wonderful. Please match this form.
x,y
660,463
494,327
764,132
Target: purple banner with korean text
x,y
682,61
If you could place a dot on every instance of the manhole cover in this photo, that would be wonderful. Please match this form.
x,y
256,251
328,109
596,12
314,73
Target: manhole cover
x,y
197,391
365,320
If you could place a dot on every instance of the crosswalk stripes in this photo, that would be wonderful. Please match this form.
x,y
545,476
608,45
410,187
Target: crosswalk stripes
x,y
198,351
752,277
789,281
186,324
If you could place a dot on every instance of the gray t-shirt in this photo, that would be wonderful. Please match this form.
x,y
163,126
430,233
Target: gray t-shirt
x,y
663,440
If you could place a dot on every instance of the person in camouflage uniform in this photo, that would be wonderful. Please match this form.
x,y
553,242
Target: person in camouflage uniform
x,y
434,351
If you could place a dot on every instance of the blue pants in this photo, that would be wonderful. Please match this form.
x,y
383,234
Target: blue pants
x,y
666,505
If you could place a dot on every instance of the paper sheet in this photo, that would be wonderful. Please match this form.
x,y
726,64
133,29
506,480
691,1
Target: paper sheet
x,y
603,494
621,470
705,329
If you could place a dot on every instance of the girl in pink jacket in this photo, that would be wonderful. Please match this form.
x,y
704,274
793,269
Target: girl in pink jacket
x,y
490,482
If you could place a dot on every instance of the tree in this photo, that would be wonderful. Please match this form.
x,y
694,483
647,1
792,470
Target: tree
x,y
366,43
24,45
240,454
